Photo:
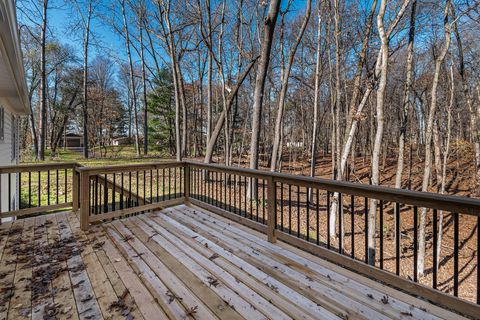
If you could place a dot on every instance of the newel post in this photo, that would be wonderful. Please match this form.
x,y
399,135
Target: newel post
x,y
84,200
187,183
272,215
75,188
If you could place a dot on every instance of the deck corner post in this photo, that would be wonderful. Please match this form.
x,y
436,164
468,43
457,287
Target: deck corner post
x,y
84,200
271,210
75,188
187,183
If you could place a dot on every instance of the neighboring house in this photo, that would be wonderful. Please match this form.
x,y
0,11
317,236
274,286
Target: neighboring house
x,y
72,141
122,141
13,101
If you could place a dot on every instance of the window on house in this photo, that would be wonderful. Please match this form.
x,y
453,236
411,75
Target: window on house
x,y
2,124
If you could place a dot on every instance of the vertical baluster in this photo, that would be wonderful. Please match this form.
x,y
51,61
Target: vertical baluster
x,y
19,191
478,259
229,192
340,223
175,182
105,194
317,212
29,189
289,209
66,185
235,193
352,224
129,202
455,253
434,248
39,194
415,243
381,234
121,192
151,186
308,213
281,206
163,184
96,194
48,187
137,191
169,184
366,230
113,193
57,185
181,193
245,194
144,187
225,191
216,191
9,191
397,238
157,182
298,211
328,219
263,199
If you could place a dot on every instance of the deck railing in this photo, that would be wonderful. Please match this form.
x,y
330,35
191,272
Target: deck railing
x,y
327,218
31,189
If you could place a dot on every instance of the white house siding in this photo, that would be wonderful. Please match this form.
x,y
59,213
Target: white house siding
x,y
7,158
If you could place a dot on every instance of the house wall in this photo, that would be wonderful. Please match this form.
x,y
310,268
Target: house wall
x,y
9,156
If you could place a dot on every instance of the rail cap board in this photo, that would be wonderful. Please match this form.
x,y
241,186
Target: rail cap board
x,y
458,204
35,167
130,167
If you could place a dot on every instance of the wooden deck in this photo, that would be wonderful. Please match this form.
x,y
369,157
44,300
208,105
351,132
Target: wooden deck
x,y
178,263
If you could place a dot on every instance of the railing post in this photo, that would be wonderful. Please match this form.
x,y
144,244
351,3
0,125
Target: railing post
x,y
187,183
75,186
84,200
271,222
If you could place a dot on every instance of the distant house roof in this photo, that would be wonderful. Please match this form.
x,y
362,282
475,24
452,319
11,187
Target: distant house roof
x,y
74,135
13,86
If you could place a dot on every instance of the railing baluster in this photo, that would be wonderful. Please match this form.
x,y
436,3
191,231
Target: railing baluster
x,y
48,187
121,192
9,192
105,195
397,238
245,194
289,209
66,186
298,211
434,248
96,194
113,192
57,185
381,234
328,219
151,186
340,223
308,214
281,206
29,189
318,216
455,253
415,243
39,195
352,224
175,182
366,230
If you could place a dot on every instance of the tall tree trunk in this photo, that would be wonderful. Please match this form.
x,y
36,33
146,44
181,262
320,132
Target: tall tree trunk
x,y
43,85
85,81
428,136
132,78
407,100
316,102
372,214
269,27
144,80
284,89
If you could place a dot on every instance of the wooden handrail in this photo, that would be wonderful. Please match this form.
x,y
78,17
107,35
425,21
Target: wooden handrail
x,y
35,167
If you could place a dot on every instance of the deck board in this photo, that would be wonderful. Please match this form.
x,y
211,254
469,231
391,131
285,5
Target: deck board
x,y
181,263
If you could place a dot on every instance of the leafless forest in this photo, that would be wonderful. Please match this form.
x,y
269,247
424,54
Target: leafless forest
x,y
378,92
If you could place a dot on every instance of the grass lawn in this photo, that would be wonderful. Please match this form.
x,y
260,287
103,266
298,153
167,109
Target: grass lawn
x,y
36,186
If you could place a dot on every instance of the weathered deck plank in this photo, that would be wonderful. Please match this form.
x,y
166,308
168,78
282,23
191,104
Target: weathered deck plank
x,y
181,263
